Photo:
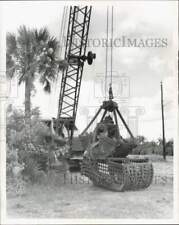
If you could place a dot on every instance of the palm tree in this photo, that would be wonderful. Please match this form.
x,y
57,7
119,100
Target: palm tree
x,y
32,54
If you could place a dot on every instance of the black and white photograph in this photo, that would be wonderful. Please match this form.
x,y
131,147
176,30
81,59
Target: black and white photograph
x,y
89,112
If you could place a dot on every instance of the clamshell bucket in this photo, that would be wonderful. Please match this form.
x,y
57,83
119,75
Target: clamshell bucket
x,y
106,160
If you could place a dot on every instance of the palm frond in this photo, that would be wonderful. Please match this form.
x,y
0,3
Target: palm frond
x,y
41,35
36,55
26,42
47,78
10,66
24,37
11,44
22,77
47,87
53,43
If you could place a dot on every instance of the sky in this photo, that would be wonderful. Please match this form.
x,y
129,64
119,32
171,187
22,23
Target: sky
x,y
137,71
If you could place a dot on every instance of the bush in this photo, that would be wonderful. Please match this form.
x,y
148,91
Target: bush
x,y
21,151
149,148
15,183
33,172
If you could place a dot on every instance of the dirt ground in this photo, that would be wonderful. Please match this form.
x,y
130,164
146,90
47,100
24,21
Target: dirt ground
x,y
76,197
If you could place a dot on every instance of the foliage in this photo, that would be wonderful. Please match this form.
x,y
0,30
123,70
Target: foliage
x,y
143,147
15,184
169,147
21,151
32,53
16,132
152,147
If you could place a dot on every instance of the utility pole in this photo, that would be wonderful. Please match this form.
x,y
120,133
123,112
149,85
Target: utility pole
x,y
163,124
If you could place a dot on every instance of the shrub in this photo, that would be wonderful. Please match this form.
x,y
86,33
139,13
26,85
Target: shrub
x,y
148,148
33,154
15,183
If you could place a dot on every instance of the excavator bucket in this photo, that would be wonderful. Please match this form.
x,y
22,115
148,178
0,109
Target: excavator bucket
x,y
119,174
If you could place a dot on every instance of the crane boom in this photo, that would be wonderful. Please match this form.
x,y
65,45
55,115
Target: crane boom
x,y
75,50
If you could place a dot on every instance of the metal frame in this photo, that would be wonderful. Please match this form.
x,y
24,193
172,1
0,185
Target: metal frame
x,y
77,35
110,106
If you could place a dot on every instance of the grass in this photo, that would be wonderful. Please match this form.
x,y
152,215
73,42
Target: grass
x,y
74,199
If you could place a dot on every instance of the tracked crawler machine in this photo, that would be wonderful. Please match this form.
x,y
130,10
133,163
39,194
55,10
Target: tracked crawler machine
x,y
105,160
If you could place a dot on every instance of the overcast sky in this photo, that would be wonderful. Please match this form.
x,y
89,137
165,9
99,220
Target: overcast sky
x,y
138,70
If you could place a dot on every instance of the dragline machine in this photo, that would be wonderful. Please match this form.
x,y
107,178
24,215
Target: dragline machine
x,y
105,160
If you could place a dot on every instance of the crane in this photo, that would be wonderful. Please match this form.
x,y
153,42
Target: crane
x,y
105,159
75,56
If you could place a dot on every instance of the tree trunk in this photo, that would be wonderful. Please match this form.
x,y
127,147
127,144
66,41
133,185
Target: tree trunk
x,y
28,108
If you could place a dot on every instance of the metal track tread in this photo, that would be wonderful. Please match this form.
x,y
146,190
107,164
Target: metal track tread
x,y
123,175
